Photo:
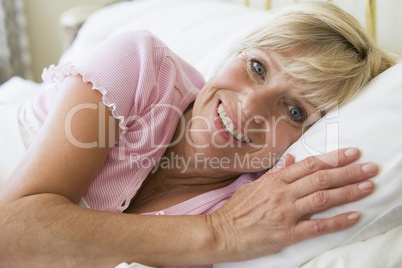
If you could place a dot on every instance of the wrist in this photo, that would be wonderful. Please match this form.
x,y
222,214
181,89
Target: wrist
x,y
222,249
183,240
206,245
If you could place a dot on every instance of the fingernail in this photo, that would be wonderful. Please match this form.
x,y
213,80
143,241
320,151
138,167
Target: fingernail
x,y
351,152
364,186
353,216
369,168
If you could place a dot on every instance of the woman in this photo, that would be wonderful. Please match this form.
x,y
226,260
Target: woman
x,y
277,83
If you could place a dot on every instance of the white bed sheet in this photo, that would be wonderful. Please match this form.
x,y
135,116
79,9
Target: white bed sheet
x,y
19,124
381,251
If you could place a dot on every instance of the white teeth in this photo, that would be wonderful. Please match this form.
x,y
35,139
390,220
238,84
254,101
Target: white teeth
x,y
229,127
236,132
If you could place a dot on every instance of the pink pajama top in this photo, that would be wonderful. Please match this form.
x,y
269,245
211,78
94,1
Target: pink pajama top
x,y
147,87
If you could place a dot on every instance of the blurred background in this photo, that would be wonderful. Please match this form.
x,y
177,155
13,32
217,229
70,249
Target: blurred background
x,y
34,33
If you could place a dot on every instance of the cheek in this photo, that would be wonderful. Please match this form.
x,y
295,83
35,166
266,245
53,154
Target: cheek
x,y
284,136
205,92
199,124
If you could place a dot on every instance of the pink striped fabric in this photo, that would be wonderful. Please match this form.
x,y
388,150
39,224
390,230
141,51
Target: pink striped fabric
x,y
147,87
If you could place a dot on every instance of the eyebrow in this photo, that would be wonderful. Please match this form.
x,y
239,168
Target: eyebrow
x,y
270,58
306,102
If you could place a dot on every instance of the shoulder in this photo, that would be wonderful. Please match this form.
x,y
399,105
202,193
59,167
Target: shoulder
x,y
130,52
141,41
137,36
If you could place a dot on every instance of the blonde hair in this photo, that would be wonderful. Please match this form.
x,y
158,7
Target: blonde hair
x,y
322,47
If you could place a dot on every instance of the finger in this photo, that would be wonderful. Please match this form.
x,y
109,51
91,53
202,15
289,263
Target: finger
x,y
323,200
317,227
333,178
311,164
286,161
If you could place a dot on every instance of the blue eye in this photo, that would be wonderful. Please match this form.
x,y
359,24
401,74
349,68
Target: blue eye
x,y
258,68
297,114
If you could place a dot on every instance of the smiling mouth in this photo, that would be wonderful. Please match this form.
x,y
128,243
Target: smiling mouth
x,y
229,127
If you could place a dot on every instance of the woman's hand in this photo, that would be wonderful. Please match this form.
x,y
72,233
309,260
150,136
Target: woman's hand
x,y
274,211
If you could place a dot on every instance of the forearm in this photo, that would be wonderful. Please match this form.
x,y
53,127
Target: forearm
x,y
48,230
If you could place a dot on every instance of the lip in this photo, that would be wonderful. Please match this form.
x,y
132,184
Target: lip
x,y
236,125
220,127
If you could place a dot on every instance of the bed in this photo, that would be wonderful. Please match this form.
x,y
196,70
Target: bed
x,y
200,31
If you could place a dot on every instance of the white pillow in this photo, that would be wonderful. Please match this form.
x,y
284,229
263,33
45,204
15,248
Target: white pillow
x,y
373,123
382,250
199,31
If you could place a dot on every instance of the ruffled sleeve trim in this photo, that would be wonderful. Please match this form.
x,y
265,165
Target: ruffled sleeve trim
x,y
57,74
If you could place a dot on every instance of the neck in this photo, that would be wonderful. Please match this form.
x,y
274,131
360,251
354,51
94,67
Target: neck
x,y
178,177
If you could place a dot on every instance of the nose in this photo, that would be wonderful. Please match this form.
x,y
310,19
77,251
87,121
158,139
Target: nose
x,y
254,102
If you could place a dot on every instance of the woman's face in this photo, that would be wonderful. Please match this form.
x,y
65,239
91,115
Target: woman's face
x,y
248,114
